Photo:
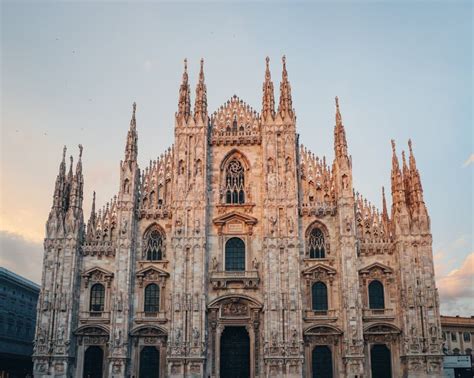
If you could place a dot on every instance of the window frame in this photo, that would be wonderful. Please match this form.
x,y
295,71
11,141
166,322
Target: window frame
x,y
155,300
227,263
374,304
93,298
324,305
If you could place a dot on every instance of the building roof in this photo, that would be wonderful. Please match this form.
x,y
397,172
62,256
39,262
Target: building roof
x,y
457,321
16,278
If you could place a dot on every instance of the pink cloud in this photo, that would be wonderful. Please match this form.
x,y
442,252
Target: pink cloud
x,y
458,285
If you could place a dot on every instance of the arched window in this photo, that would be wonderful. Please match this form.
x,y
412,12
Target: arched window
x,y
154,245
152,298
316,245
376,299
234,183
97,297
319,293
235,254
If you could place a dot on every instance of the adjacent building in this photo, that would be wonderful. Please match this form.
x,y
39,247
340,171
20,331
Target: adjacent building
x,y
18,299
239,252
458,339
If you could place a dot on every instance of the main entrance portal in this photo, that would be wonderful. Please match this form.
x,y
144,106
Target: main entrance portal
x,y
93,361
235,353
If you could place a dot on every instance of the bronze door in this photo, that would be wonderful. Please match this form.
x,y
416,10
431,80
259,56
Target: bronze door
x,y
235,353
93,362
380,361
322,362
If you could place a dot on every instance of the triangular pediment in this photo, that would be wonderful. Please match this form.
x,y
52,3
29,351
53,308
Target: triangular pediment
x,y
152,270
235,216
319,267
375,266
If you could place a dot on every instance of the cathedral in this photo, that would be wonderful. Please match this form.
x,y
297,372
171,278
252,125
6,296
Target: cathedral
x,y
238,253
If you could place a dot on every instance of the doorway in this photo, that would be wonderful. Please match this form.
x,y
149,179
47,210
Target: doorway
x,y
380,361
322,362
235,353
149,362
93,362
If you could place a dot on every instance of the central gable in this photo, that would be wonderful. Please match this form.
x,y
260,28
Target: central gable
x,y
235,123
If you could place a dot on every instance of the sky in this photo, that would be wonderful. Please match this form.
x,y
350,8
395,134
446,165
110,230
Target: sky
x,y
70,72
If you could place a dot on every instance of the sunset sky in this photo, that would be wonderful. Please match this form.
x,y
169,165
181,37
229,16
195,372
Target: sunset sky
x,y
71,71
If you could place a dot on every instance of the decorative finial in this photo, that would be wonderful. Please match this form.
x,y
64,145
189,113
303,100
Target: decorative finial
x,y
186,65
337,103
283,59
393,145
410,146
93,196
202,63
80,151
134,107
71,159
267,60
64,153
383,191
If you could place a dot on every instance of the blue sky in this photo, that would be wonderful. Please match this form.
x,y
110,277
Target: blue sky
x,y
71,70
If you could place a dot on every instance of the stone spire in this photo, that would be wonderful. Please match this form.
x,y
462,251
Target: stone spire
x,y
340,142
407,182
417,189
398,190
268,100
77,183
60,182
184,102
200,105
131,147
285,108
92,223
385,218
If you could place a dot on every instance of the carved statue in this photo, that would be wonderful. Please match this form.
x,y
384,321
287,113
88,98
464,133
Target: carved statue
x,y
118,338
255,263
214,263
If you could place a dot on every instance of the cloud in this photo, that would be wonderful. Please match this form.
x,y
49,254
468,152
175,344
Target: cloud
x,y
469,161
456,289
21,256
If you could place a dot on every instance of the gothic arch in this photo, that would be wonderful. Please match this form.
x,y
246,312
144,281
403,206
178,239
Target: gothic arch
x,y
159,245
153,226
317,225
235,154
320,225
